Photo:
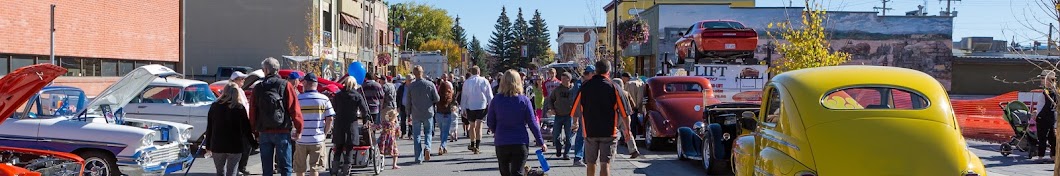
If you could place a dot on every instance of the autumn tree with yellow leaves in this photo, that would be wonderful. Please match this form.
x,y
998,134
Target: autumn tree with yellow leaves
x,y
449,48
807,44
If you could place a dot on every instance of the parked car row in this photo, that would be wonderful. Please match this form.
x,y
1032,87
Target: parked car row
x,y
867,120
62,119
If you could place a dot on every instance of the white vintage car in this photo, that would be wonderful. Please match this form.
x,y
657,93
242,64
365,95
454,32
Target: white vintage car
x,y
58,119
174,100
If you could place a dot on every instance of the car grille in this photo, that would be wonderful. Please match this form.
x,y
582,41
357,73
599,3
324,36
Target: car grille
x,y
166,153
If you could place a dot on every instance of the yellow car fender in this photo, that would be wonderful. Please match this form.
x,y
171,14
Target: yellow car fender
x,y
775,162
742,160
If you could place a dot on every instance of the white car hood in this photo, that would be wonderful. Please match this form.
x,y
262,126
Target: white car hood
x,y
120,93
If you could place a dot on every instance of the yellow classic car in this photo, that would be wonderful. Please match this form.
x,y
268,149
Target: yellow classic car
x,y
854,120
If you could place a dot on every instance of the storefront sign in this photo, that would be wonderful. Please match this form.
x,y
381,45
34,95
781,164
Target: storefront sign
x,y
734,83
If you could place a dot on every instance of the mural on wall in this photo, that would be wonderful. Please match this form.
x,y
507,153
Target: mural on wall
x,y
916,42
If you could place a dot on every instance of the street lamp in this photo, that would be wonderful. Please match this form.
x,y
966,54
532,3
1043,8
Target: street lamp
x,y
406,43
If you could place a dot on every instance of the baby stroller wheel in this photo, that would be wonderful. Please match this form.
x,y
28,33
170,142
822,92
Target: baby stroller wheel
x,y
1006,150
377,161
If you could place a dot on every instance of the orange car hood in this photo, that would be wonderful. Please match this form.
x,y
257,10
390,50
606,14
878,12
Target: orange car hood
x,y
23,83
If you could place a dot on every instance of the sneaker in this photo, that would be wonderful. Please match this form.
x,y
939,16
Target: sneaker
x,y
578,162
634,155
565,157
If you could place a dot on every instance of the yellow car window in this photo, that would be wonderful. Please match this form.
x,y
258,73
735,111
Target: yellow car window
x,y
873,98
841,100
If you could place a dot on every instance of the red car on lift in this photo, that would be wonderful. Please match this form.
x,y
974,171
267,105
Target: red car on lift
x,y
717,39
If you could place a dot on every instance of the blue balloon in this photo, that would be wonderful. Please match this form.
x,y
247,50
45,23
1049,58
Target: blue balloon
x,y
357,71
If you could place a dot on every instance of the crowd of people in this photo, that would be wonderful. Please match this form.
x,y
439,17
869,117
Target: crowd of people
x,y
290,122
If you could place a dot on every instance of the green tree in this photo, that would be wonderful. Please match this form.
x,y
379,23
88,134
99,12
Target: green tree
x,y
420,22
807,45
539,38
478,54
519,36
500,43
458,34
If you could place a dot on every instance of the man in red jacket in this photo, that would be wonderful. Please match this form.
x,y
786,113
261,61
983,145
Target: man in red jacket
x,y
275,114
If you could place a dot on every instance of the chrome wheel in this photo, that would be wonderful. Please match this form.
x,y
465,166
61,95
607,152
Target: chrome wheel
x,y
648,136
96,167
705,155
692,51
680,149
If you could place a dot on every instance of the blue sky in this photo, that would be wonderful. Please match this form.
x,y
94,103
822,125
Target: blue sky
x,y
1001,19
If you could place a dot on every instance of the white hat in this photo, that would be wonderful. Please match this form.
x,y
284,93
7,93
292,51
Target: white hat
x,y
237,74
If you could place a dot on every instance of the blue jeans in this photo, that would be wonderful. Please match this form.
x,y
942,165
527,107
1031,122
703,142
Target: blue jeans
x,y
278,145
579,143
562,124
445,124
422,127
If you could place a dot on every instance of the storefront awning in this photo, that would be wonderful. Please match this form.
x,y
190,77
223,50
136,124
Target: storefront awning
x,y
350,20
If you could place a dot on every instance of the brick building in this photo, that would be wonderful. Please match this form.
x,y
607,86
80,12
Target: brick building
x,y
97,41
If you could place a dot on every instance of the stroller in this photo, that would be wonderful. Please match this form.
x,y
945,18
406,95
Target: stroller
x,y
1021,120
364,155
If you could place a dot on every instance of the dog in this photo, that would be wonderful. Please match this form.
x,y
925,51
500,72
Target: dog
x,y
534,171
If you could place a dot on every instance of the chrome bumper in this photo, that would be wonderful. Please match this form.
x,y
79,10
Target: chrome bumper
x,y
160,160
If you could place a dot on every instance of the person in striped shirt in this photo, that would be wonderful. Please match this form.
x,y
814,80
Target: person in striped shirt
x,y
317,114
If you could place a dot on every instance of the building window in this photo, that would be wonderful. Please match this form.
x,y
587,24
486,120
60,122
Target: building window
x,y
327,21
72,65
108,67
21,61
125,66
140,64
43,60
169,65
91,67
4,64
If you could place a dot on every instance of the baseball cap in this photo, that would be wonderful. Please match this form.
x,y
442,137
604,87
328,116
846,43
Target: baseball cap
x,y
589,69
310,77
237,74
626,75
294,75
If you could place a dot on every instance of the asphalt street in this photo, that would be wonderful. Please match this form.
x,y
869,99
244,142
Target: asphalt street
x,y
460,161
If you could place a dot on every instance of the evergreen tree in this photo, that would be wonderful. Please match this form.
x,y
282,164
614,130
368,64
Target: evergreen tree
x,y
520,36
500,42
478,54
458,34
538,37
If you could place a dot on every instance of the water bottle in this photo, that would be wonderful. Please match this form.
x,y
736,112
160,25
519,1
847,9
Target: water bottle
x,y
544,162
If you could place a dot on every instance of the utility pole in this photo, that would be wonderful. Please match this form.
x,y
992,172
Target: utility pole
x,y
948,12
51,33
614,40
1049,41
884,9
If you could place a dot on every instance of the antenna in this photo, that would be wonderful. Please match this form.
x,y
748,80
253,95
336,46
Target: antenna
x,y
884,8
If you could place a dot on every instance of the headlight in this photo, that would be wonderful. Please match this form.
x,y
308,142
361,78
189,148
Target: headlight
x,y
699,127
185,135
148,139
